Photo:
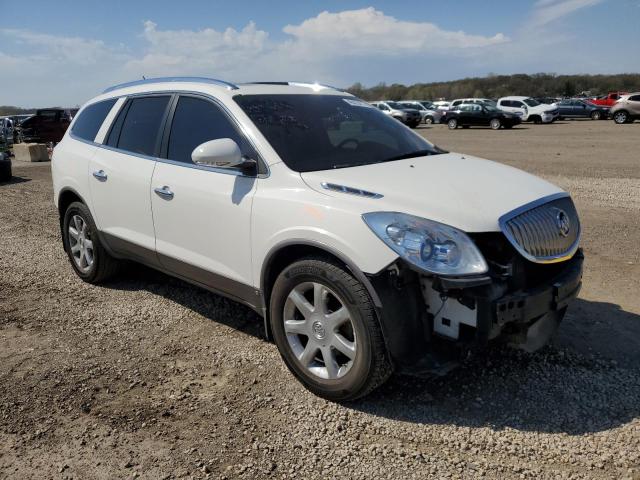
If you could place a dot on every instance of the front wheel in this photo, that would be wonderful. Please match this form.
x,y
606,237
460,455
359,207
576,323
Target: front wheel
x,y
452,124
621,117
495,124
428,120
325,326
88,256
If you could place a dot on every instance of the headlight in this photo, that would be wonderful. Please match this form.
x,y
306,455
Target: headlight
x,y
431,246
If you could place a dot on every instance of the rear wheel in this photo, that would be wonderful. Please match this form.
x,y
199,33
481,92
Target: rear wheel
x,y
452,124
536,119
428,120
595,115
88,257
495,124
326,329
621,117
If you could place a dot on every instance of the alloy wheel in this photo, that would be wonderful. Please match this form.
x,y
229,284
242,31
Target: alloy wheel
x,y
81,244
620,117
320,330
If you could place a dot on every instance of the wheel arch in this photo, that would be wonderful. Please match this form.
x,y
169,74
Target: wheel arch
x,y
65,198
288,252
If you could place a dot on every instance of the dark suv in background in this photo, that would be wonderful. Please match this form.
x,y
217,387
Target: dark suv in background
x,y
47,125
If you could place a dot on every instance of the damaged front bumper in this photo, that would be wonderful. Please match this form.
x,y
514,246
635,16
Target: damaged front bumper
x,y
430,323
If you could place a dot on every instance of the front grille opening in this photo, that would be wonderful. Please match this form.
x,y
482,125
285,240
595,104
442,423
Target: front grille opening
x,y
506,262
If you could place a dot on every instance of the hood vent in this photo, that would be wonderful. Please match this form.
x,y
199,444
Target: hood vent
x,y
353,191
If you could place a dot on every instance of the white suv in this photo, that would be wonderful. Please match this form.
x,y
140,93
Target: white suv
x,y
529,109
365,248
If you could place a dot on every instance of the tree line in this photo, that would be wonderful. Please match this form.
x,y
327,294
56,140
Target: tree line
x,y
496,86
7,110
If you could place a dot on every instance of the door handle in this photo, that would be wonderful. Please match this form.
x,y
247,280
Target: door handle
x,y
164,192
100,175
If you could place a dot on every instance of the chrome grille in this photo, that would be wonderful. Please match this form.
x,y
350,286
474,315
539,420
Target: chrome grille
x,y
544,231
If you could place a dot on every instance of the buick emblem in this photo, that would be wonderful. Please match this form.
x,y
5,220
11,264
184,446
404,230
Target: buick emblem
x,y
563,223
318,330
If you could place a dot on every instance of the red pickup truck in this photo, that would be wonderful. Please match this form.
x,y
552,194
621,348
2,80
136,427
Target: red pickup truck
x,y
609,99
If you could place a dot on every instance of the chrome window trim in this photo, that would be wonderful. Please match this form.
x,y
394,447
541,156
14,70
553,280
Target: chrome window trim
x,y
237,124
530,206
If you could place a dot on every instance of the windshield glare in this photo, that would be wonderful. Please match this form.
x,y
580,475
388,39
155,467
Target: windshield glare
x,y
312,132
531,102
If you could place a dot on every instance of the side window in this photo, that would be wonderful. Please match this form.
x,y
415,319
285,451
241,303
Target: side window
x,y
137,127
505,103
382,106
517,104
456,103
91,118
196,121
634,98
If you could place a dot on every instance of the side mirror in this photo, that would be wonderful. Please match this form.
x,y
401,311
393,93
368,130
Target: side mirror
x,y
221,153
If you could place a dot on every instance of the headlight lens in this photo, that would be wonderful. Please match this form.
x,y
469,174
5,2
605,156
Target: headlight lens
x,y
431,246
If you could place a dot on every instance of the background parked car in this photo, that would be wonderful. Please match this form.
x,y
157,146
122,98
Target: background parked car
x,y
575,108
442,104
429,113
480,101
5,165
547,100
47,125
6,132
476,114
409,116
627,109
529,109
609,99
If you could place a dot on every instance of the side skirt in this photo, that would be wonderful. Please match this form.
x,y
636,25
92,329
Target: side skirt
x,y
215,283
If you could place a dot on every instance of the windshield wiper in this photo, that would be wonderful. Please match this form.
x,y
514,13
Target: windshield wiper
x,y
417,153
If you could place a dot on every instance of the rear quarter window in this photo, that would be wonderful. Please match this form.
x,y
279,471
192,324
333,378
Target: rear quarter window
x,y
90,120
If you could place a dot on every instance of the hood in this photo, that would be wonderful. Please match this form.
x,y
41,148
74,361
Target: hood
x,y
465,192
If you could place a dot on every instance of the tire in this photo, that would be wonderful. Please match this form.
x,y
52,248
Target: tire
x,y
620,117
94,267
495,124
596,115
5,168
428,120
452,124
305,345
536,119
414,125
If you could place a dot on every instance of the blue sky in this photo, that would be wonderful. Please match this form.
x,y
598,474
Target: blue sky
x,y
62,53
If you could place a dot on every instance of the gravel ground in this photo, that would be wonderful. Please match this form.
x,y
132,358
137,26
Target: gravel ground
x,y
149,377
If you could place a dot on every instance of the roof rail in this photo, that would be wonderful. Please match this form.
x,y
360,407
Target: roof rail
x,y
147,81
313,85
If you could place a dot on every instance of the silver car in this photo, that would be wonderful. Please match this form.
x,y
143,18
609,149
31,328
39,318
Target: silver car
x,y
409,116
428,111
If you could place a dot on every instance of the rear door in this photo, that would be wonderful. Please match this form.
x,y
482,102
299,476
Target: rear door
x,y
202,214
120,177
633,103
477,115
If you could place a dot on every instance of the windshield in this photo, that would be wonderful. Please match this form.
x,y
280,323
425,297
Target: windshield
x,y
415,106
428,105
320,132
531,102
395,105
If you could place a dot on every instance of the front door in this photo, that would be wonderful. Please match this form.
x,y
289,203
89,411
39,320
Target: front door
x,y
120,177
201,214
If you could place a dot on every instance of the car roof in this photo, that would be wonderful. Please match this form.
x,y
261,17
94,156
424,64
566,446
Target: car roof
x,y
216,87
514,97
